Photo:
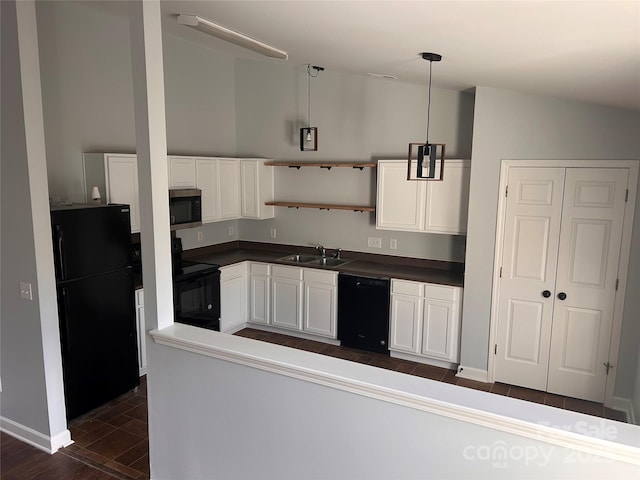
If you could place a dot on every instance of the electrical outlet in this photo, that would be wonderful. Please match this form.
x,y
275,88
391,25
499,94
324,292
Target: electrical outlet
x,y
230,231
273,233
393,244
25,291
374,242
200,235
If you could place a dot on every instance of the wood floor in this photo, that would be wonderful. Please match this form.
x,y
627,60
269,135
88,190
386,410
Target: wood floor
x,y
112,441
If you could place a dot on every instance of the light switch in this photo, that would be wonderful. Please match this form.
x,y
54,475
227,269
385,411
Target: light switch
x,y
25,291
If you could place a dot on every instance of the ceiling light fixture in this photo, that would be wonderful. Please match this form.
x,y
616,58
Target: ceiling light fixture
x,y
224,33
427,154
309,134
387,76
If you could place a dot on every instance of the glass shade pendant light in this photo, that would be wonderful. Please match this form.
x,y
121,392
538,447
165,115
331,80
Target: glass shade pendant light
x,y
429,156
309,134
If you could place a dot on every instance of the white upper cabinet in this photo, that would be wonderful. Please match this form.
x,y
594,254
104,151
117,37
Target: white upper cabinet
x,y
182,172
206,172
423,206
116,176
229,188
256,188
400,203
447,202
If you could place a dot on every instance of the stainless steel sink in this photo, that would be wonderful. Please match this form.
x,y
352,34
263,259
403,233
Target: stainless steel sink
x,y
314,260
329,261
299,258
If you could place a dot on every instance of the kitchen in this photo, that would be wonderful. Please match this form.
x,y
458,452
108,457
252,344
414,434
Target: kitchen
x,y
249,78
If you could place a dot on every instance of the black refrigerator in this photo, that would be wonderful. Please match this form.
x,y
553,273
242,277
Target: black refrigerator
x,y
96,306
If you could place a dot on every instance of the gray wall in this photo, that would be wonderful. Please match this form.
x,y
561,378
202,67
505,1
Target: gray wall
x,y
359,119
31,368
88,92
229,421
512,125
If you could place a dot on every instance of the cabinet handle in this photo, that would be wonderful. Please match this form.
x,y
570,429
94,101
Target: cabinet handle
x,y
562,295
546,293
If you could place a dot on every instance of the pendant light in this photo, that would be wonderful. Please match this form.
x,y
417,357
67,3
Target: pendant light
x,y
429,156
309,134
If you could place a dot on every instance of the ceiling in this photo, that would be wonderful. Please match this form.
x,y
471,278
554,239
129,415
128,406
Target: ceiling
x,y
580,50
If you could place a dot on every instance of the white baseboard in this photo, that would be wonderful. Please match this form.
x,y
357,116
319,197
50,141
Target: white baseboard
x,y
418,359
36,439
625,405
471,373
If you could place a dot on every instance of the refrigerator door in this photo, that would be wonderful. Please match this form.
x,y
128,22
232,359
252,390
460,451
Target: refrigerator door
x,y
98,336
90,240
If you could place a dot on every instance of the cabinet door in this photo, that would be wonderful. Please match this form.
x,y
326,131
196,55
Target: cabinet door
x,y
259,299
182,172
320,309
447,201
439,332
256,188
141,331
229,188
286,308
406,313
122,184
249,189
207,182
400,202
233,297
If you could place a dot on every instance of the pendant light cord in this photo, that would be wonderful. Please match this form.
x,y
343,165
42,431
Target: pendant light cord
x,y
309,96
429,101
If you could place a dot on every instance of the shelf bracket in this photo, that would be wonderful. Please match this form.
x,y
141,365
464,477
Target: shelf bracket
x,y
297,167
359,168
326,166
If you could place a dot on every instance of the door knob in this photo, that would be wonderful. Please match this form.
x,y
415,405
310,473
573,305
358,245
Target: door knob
x,y
562,295
546,293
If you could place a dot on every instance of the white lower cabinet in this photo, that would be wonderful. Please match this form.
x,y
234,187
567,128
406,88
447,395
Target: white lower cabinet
x,y
320,302
296,299
286,297
425,322
233,297
259,293
141,332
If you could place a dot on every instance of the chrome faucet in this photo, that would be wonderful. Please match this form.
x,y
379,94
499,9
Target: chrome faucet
x,y
336,253
321,250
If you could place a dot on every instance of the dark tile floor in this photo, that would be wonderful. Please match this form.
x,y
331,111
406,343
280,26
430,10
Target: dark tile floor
x,y
436,373
112,441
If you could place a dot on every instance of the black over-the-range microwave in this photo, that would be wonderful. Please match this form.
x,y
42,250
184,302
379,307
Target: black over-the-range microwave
x,y
185,208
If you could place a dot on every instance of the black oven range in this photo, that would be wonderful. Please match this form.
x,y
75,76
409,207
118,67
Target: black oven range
x,y
196,286
196,294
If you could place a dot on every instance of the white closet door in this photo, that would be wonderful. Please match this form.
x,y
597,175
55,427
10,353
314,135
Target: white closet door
x,y
530,247
589,250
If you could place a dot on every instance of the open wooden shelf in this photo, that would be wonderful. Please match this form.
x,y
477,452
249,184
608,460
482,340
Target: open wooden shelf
x,y
327,165
322,206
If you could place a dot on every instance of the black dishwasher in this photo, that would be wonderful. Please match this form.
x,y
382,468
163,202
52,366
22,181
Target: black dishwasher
x,y
363,312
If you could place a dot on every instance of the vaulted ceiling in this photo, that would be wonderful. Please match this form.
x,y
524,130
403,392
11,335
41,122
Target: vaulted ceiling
x,y
580,50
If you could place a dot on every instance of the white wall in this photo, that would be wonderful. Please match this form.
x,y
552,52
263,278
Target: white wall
x,y
211,418
512,125
359,119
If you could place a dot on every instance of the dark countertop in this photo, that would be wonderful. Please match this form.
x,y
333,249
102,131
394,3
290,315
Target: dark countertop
x,y
366,264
